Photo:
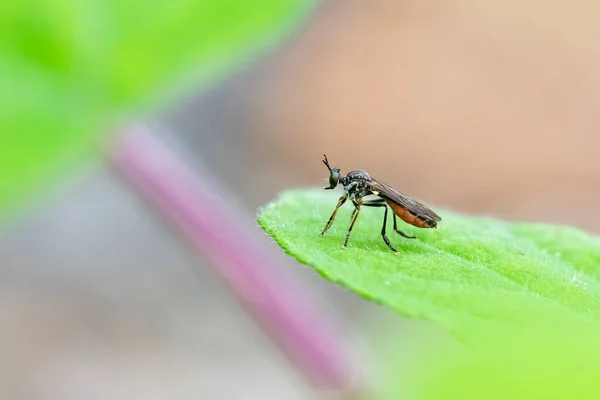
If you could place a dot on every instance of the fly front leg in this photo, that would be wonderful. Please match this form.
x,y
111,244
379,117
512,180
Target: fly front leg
x,y
352,221
399,232
381,203
340,203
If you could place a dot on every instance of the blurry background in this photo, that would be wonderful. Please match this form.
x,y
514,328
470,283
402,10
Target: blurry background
x,y
488,108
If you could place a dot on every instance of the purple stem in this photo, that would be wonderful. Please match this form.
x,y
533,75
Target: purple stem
x,y
190,200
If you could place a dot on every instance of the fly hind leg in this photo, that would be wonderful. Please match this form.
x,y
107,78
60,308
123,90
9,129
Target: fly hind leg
x,y
399,232
381,203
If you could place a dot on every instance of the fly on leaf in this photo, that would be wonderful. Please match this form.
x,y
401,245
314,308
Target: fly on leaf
x,y
358,184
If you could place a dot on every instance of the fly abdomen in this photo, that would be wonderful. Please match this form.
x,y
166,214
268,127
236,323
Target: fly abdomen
x,y
409,217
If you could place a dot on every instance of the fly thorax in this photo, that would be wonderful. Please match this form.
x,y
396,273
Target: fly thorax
x,y
355,189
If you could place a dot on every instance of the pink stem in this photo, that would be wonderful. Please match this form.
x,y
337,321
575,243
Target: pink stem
x,y
190,200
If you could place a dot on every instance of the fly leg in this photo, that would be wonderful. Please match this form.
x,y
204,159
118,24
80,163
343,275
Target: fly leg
x,y
381,203
340,203
352,221
399,232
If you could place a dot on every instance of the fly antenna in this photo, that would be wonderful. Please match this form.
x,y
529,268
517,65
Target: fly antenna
x,y
326,163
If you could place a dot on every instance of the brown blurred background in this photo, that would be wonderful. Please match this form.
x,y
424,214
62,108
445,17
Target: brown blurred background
x,y
483,107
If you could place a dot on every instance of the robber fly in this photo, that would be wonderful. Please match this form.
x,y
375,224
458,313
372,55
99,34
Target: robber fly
x,y
358,184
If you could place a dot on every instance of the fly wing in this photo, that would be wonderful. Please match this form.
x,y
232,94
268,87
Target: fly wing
x,y
414,206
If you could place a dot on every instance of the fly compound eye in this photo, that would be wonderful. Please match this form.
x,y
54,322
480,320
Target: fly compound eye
x,y
334,178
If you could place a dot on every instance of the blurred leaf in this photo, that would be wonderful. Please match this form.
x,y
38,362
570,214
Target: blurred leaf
x,y
469,274
530,364
67,68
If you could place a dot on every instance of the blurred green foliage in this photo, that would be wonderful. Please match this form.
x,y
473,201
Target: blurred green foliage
x,y
531,363
68,68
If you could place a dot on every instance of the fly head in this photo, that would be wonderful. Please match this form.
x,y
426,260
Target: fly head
x,y
334,174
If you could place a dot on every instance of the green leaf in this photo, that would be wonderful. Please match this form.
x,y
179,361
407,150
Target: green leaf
x,y
69,68
470,273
